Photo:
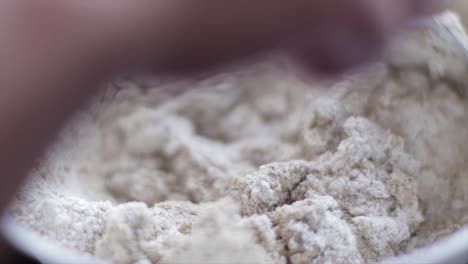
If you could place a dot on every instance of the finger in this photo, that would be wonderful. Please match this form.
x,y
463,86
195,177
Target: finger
x,y
183,35
360,36
428,7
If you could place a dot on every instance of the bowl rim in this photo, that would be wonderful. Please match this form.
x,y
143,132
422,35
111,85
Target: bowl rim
x,y
452,248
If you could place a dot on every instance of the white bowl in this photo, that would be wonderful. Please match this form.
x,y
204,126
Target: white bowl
x,y
452,249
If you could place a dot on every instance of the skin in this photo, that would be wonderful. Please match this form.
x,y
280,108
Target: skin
x,y
56,53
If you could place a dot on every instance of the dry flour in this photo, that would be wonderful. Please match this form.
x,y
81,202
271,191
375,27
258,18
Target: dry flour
x,y
260,166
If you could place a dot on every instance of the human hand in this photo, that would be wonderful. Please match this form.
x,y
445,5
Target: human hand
x,y
326,36
56,52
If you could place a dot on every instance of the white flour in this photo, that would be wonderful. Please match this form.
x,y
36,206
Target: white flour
x,y
259,166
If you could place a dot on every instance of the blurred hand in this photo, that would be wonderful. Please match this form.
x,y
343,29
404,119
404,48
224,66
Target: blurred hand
x,y
186,35
55,53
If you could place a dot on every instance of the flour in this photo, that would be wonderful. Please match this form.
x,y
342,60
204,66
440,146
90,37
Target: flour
x,y
257,165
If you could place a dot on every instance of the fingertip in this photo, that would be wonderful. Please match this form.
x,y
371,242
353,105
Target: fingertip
x,y
339,49
428,7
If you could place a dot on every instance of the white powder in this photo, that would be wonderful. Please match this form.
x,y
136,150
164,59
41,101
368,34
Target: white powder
x,y
260,166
